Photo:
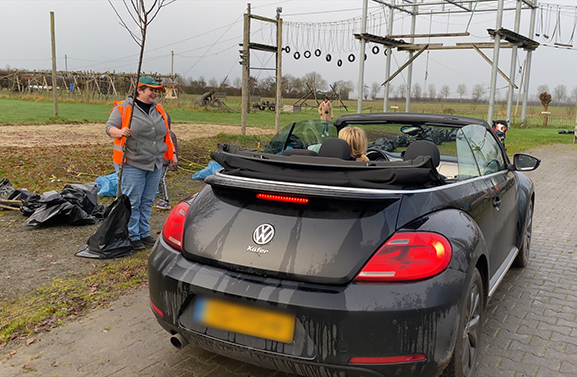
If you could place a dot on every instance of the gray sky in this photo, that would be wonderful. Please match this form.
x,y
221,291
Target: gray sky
x,y
205,37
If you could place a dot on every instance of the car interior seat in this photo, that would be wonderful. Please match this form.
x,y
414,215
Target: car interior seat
x,y
338,148
423,148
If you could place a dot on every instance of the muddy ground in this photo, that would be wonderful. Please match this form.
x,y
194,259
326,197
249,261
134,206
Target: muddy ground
x,y
31,257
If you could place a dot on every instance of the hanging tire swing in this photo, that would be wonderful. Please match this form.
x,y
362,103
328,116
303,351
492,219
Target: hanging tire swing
x,y
328,57
351,58
287,49
339,63
375,50
385,51
317,52
307,54
297,55
365,57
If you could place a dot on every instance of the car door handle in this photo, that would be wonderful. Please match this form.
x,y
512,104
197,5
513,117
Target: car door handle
x,y
497,202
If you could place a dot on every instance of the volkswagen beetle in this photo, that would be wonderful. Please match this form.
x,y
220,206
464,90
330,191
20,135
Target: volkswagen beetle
x,y
302,260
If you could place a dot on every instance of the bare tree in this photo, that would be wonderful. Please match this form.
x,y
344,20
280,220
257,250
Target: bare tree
x,y
478,93
432,91
560,93
462,90
402,90
213,83
237,83
142,17
344,88
574,94
392,91
417,91
545,99
375,89
445,92
543,88
315,81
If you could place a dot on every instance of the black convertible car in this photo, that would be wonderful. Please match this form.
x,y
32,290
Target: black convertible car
x,y
302,260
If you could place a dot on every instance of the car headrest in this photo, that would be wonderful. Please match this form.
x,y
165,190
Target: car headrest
x,y
423,148
299,152
338,148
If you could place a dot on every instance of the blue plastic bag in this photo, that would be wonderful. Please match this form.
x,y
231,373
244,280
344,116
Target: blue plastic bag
x,y
212,168
107,185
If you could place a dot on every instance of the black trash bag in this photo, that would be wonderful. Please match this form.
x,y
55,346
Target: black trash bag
x,y
20,194
31,204
76,204
5,189
85,196
111,239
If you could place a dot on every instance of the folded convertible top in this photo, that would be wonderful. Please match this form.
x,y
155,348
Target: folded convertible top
x,y
410,174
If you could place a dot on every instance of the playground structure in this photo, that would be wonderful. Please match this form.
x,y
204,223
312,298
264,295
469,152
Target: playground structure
x,y
329,40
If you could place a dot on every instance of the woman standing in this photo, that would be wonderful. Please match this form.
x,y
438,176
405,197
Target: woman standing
x,y
146,143
326,112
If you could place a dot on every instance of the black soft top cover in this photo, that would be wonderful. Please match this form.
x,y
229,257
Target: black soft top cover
x,y
411,174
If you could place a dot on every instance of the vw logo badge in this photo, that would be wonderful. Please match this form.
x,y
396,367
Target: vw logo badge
x,y
263,234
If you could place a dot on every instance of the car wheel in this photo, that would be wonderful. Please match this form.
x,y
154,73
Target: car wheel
x,y
522,259
467,347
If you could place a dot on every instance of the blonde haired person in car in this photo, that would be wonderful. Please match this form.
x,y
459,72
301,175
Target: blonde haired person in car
x,y
357,141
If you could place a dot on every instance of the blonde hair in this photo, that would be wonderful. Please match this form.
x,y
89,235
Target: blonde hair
x,y
357,140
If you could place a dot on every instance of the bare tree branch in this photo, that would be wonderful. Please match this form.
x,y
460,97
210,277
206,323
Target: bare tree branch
x,y
142,17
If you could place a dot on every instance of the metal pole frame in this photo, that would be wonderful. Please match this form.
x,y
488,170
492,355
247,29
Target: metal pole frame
x,y
528,68
513,69
388,63
496,51
410,70
362,59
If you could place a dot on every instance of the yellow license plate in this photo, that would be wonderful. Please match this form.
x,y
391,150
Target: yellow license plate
x,y
244,319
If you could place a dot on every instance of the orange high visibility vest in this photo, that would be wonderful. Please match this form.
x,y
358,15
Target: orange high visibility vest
x,y
119,142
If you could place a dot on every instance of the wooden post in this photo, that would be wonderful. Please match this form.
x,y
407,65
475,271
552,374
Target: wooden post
x,y
54,83
278,97
575,132
245,61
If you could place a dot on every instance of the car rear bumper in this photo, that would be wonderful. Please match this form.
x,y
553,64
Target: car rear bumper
x,y
333,323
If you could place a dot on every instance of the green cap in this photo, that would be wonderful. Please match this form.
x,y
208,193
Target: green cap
x,y
149,81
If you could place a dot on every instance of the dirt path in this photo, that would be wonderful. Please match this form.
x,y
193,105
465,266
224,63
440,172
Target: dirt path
x,y
93,133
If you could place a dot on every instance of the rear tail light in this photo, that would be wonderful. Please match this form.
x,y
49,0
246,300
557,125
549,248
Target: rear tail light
x,y
174,226
408,256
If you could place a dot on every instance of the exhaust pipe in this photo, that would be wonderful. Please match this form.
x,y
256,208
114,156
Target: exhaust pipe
x,y
178,341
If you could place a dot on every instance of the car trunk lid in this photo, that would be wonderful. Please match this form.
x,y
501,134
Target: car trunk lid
x,y
326,239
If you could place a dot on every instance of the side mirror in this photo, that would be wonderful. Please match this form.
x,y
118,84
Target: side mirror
x,y
525,162
412,130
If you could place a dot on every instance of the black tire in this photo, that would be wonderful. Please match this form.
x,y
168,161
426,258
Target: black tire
x,y
328,57
467,347
318,52
297,55
307,54
351,58
287,49
339,63
375,50
522,259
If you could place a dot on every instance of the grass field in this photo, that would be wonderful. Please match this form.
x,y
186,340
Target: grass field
x,y
38,109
